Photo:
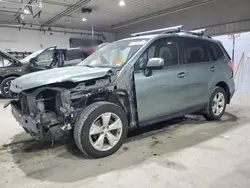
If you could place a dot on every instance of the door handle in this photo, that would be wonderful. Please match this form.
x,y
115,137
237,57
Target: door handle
x,y
212,69
182,75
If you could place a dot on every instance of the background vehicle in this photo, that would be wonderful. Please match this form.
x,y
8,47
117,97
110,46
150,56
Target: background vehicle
x,y
132,82
87,45
19,55
93,49
37,61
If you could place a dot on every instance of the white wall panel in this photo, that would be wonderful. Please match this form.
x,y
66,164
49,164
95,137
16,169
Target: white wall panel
x,y
30,40
242,45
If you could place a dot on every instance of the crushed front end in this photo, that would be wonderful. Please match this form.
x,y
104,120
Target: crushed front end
x,y
50,112
41,114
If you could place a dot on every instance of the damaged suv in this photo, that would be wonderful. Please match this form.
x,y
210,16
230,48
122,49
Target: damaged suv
x,y
129,83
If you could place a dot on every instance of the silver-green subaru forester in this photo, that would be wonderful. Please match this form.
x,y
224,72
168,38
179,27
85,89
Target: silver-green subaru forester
x,y
129,83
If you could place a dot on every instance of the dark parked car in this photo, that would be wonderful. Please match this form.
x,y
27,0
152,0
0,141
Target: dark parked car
x,y
11,67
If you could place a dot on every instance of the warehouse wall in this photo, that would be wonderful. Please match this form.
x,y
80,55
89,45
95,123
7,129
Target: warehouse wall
x,y
242,45
31,40
220,17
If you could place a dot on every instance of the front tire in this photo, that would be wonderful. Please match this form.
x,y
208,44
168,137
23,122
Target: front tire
x,y
101,129
5,87
217,104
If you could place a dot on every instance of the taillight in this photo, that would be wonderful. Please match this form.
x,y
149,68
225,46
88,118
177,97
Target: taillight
x,y
91,51
231,64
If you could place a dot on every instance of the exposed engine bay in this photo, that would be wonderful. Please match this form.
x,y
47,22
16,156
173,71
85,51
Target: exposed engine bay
x,y
50,112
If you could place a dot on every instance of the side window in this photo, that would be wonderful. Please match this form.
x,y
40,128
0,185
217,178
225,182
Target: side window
x,y
218,51
212,51
45,57
166,48
215,51
196,51
148,54
169,51
74,54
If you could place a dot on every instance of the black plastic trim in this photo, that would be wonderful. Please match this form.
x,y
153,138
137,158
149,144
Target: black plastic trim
x,y
173,115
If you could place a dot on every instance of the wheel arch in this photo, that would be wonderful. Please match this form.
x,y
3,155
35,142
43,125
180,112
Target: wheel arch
x,y
118,97
2,77
226,88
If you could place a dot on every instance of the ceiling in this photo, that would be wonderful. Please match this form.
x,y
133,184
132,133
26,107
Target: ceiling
x,y
106,15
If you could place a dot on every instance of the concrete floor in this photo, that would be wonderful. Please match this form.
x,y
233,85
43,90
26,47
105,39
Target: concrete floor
x,y
183,153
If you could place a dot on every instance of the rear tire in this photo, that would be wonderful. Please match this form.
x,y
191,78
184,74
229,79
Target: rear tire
x,y
5,87
217,104
101,129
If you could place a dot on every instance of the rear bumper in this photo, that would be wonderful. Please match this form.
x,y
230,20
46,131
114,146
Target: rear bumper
x,y
232,94
231,86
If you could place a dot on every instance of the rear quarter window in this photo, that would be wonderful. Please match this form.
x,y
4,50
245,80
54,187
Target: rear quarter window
x,y
215,51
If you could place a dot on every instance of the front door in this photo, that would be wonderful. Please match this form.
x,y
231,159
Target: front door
x,y
163,92
44,60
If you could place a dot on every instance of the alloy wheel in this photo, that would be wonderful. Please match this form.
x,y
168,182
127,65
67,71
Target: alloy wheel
x,y
6,88
218,104
105,131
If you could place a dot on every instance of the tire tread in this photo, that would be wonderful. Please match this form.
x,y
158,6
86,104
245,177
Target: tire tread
x,y
4,80
81,120
208,114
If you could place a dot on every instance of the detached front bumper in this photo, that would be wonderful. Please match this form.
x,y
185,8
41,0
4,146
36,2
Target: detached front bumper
x,y
29,124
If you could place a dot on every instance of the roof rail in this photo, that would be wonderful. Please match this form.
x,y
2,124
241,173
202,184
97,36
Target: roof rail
x,y
198,32
163,30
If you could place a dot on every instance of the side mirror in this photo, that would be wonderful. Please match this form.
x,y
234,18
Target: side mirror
x,y
155,63
33,60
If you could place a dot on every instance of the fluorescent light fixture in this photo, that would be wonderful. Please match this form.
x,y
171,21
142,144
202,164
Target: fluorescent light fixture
x,y
84,19
122,3
26,11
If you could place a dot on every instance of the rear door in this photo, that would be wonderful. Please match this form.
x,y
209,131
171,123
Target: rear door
x,y
223,65
164,91
200,71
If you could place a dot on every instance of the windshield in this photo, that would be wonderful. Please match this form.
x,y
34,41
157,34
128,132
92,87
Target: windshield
x,y
114,54
27,59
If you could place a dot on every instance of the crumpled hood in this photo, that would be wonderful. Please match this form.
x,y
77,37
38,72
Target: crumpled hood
x,y
56,75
